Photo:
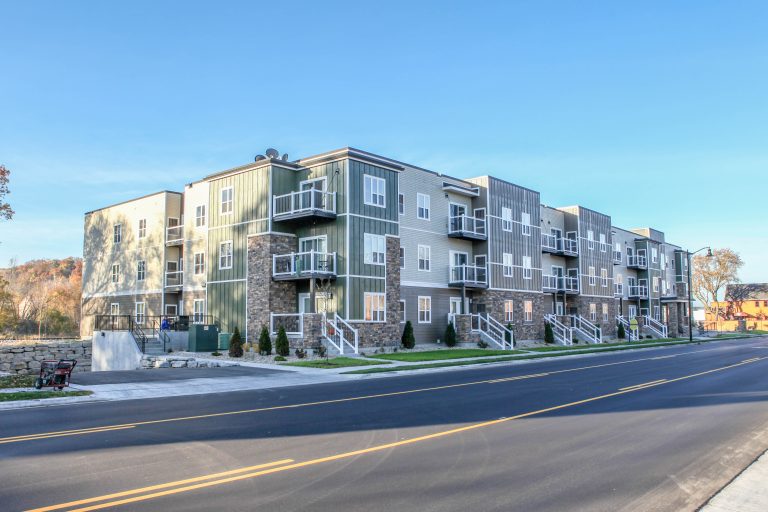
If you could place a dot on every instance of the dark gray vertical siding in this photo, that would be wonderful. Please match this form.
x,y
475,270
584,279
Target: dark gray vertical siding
x,y
599,224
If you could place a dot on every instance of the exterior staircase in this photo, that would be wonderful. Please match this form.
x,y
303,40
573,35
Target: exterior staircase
x,y
339,336
493,332
563,333
586,330
656,328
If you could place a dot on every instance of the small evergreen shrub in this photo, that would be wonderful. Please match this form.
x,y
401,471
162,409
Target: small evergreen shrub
x,y
321,351
450,335
217,354
265,342
236,344
281,343
620,332
279,358
508,335
408,339
482,344
549,334
300,353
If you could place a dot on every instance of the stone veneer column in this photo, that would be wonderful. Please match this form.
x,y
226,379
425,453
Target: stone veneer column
x,y
266,295
672,320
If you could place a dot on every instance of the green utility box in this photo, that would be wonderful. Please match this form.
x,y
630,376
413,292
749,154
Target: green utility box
x,y
203,338
224,340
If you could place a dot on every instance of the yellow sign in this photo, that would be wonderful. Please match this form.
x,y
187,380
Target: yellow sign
x,y
633,324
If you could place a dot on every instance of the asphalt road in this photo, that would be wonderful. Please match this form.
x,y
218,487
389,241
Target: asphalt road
x,y
564,434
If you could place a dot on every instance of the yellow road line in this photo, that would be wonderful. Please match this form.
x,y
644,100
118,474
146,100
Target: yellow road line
x,y
162,486
363,451
44,435
643,385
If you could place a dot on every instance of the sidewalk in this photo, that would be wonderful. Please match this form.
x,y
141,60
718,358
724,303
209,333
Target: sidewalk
x,y
748,492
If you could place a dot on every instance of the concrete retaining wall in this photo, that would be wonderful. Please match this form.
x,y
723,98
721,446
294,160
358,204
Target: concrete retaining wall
x,y
115,350
24,357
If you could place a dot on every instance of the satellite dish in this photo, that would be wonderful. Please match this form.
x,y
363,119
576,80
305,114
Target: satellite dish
x,y
272,153
259,157
285,157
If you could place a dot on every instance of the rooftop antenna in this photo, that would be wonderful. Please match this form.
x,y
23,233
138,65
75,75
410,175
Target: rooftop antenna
x,y
272,153
285,157
259,157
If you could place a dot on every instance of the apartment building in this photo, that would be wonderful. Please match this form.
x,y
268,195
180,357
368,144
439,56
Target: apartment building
x,y
349,245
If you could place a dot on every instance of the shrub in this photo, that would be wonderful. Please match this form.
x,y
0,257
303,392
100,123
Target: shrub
x,y
482,344
321,351
279,358
508,335
217,354
549,334
281,343
620,332
408,340
236,344
265,342
450,335
300,353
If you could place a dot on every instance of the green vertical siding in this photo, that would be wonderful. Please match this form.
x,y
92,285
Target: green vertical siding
x,y
226,302
357,190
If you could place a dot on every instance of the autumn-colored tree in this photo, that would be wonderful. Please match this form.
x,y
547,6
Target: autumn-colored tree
x,y
6,212
711,274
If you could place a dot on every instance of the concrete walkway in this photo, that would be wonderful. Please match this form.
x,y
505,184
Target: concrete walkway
x,y
747,493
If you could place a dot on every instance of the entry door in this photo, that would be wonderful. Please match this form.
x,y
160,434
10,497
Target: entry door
x,y
632,311
321,302
459,258
456,213
455,306
457,210
559,308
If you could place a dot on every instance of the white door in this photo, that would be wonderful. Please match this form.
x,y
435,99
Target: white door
x,y
559,310
455,306
632,311
317,244
321,302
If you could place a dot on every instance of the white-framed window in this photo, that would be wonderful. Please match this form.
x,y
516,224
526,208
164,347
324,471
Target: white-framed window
x,y
117,233
140,312
425,310
199,265
527,270
375,247
225,255
422,206
375,190
655,284
115,272
374,307
590,239
506,219
592,277
603,244
425,258
506,265
593,312
141,270
227,200
657,313
198,310
663,263
402,257
509,312
605,312
604,277
401,204
200,216
528,310
402,311
142,231
526,223
654,254
114,309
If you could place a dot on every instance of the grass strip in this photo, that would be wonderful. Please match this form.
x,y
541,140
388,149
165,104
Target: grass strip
x,y
442,355
17,381
37,395
336,362
664,341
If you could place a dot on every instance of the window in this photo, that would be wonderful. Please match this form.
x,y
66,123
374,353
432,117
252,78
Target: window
x,y
402,311
591,239
401,204
117,233
657,313
142,228
526,221
424,257
375,190
141,270
422,206
114,309
527,271
592,278
528,310
402,257
593,312
654,254
655,284
375,246
199,263
506,264
374,307
605,312
116,273
663,263
425,310
200,216
506,219
603,245
227,201
198,310
140,312
765,303
508,311
604,277
225,255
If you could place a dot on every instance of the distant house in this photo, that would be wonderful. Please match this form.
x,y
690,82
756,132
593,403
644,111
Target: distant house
x,y
747,301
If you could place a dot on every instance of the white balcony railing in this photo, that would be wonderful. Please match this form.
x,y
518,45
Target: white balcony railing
x,y
174,278
295,203
571,284
468,274
174,234
638,291
570,246
463,224
559,283
549,242
637,260
549,282
304,264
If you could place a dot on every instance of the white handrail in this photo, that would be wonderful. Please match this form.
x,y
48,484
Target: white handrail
x,y
174,278
636,260
638,291
174,233
504,332
562,332
299,263
627,327
303,200
465,223
468,274
657,327
341,322
587,328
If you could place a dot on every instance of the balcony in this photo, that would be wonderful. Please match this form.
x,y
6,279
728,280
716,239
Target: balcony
x,y
570,247
468,228
303,265
174,280
637,261
174,235
616,257
304,204
561,246
468,276
618,289
638,292
554,284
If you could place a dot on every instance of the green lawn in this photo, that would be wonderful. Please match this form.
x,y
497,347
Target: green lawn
x,y
37,395
439,355
336,362
17,381
555,348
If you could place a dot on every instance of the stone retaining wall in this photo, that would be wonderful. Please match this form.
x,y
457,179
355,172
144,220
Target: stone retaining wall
x,y
150,362
24,357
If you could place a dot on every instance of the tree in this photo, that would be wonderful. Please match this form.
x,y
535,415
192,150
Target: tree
x,y
6,212
450,335
408,339
620,332
281,343
549,334
236,344
265,342
711,274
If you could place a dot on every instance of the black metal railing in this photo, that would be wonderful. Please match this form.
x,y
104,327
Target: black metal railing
x,y
151,323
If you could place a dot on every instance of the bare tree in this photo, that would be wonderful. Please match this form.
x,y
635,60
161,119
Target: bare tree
x,y
6,212
711,274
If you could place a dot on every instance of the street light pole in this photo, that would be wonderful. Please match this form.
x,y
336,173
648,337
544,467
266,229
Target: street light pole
x,y
690,299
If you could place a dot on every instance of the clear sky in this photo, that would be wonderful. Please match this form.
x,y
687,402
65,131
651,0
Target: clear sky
x,y
653,112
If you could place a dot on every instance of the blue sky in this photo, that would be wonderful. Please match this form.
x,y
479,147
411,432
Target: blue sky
x,y
662,106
